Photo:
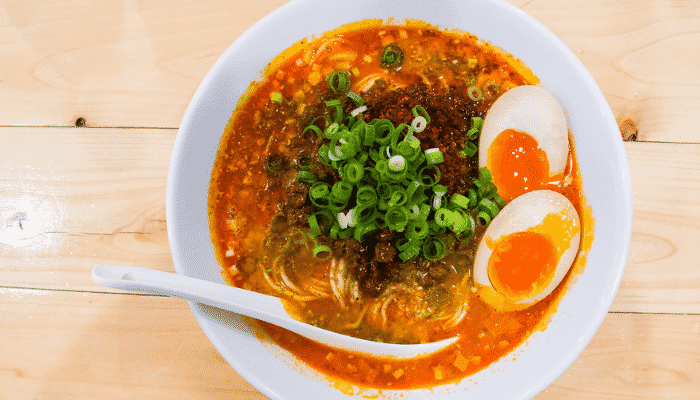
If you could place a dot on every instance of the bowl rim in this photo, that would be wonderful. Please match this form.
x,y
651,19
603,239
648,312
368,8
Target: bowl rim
x,y
190,117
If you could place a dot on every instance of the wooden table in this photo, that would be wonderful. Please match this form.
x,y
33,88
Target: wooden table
x,y
72,197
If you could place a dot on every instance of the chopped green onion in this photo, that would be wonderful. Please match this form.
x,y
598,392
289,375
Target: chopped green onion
x,y
323,154
424,211
412,141
483,218
366,196
276,163
485,174
417,229
398,197
387,181
404,149
409,253
473,198
319,194
392,57
353,171
487,191
460,222
370,135
359,101
335,229
341,190
304,162
413,212
477,123
443,217
382,130
434,156
419,123
322,251
489,206
320,189
362,232
465,234
396,218
474,93
320,222
332,130
339,81
434,249
363,213
358,110
413,192
314,128
426,178
307,177
313,223
419,111
396,133
437,200
345,233
346,220
459,200
499,200
397,164
470,149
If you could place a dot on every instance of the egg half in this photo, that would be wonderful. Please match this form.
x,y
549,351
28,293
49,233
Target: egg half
x,y
527,250
524,140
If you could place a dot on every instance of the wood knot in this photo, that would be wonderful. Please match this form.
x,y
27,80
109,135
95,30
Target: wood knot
x,y
628,129
80,122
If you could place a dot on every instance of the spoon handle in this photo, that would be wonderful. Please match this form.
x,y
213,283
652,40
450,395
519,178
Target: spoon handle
x,y
264,307
252,304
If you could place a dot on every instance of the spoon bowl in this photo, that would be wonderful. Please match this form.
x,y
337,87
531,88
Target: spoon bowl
x,y
252,304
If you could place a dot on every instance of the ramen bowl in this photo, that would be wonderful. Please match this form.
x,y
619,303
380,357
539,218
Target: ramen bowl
x,y
533,365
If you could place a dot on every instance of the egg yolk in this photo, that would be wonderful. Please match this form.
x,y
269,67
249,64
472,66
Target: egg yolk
x,y
517,164
522,263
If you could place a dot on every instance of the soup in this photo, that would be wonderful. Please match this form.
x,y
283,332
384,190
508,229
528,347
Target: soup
x,y
348,182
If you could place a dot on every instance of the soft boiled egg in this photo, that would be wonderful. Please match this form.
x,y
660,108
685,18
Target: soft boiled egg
x,y
524,141
527,250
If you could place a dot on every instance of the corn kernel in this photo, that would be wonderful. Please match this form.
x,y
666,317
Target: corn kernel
x,y
276,97
314,78
461,362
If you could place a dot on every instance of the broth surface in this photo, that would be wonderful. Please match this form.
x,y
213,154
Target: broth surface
x,y
259,210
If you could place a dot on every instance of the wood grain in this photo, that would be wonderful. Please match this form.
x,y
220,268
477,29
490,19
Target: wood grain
x,y
67,345
632,356
64,345
74,197
134,64
662,273
644,55
128,65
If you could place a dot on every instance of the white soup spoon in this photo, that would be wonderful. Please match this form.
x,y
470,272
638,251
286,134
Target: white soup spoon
x,y
253,304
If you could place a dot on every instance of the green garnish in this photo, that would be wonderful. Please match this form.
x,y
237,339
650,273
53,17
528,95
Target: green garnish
x,y
386,181
392,57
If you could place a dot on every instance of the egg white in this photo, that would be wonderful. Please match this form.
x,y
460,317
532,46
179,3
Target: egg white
x,y
533,110
524,212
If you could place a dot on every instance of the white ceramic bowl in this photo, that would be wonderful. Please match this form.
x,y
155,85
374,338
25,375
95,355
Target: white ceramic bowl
x,y
601,156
